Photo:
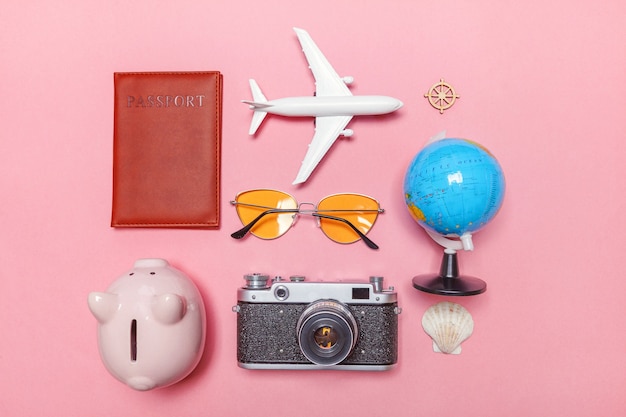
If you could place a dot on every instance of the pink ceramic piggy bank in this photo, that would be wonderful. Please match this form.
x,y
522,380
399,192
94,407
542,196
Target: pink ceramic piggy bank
x,y
151,325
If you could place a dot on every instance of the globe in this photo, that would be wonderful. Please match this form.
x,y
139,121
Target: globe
x,y
453,187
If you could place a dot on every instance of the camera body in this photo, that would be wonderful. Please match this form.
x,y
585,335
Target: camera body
x,y
298,324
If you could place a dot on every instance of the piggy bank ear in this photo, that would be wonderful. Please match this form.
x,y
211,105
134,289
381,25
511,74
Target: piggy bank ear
x,y
103,305
169,308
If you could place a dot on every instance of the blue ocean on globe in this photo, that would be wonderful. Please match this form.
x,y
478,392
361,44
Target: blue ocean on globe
x,y
454,186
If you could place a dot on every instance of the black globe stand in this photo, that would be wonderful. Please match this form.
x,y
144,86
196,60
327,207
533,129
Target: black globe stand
x,y
449,282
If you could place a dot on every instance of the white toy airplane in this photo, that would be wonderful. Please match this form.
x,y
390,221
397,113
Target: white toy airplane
x,y
333,106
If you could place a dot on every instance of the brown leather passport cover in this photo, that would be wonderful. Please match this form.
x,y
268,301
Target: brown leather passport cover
x,y
166,149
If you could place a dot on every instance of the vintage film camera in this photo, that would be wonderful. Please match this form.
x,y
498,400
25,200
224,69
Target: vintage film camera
x,y
297,324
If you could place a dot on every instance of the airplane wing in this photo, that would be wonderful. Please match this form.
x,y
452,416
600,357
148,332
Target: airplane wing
x,y
327,130
327,81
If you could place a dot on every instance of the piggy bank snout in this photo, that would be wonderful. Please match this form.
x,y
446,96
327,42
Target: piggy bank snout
x,y
141,383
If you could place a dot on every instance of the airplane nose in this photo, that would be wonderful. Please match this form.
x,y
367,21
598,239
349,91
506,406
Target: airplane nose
x,y
392,104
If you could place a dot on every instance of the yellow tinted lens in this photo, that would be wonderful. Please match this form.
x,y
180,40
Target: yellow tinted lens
x,y
252,204
358,209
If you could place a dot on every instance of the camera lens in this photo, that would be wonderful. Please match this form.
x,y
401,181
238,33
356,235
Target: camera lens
x,y
327,332
325,337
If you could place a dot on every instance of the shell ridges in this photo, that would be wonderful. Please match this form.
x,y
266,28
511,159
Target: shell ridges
x,y
448,325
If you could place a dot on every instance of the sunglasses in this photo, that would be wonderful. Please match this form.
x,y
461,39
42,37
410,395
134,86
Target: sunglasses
x,y
344,218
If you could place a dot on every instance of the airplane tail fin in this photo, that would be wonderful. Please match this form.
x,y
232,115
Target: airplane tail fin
x,y
258,103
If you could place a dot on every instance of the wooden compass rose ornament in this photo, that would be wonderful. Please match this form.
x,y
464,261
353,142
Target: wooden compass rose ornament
x,y
441,96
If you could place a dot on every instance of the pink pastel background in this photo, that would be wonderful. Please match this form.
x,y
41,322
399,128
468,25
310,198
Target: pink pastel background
x,y
542,85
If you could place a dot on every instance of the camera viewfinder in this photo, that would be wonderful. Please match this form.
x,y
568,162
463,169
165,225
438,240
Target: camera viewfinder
x,y
360,293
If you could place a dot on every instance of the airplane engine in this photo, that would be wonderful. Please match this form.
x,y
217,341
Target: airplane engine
x,y
348,80
347,132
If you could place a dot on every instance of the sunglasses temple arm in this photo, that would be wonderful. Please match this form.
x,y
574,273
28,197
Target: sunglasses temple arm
x,y
244,230
365,239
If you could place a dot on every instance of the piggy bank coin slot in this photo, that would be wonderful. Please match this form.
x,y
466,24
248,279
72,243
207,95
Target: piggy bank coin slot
x,y
133,340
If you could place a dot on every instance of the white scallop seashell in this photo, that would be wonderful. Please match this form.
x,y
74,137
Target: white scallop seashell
x,y
449,325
